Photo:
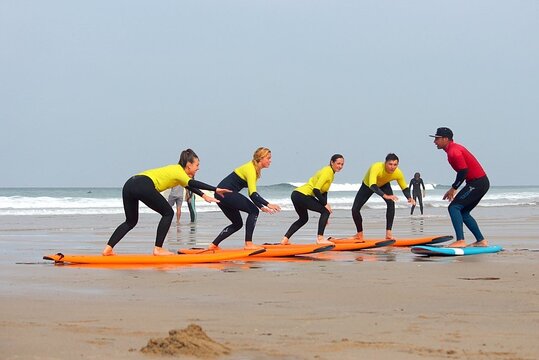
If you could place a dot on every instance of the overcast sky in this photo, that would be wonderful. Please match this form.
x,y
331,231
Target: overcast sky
x,y
92,92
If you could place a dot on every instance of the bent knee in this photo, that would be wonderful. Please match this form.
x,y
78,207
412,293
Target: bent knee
x,y
303,220
131,223
236,226
167,212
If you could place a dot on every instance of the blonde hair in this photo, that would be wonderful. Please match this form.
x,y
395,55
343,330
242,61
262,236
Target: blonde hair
x,y
259,154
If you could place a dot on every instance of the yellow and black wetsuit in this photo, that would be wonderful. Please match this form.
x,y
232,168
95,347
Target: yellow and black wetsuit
x,y
146,187
312,196
231,204
377,180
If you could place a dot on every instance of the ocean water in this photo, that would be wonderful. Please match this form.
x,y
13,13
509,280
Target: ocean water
x,y
92,201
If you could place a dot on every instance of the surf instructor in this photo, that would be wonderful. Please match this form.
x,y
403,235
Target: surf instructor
x,y
147,187
477,184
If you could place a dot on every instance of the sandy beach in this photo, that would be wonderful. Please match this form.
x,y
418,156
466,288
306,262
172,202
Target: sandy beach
x,y
375,304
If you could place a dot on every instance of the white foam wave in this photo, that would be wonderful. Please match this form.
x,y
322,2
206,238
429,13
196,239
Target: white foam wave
x,y
355,186
340,197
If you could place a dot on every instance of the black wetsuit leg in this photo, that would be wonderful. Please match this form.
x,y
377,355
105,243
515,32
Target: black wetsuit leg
x,y
420,199
141,188
302,203
390,211
231,204
363,194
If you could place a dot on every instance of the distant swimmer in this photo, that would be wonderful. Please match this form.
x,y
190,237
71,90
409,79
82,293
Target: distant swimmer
x,y
245,176
313,196
147,187
416,184
477,184
377,180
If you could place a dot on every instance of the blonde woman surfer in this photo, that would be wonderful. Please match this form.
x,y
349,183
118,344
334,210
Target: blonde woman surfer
x,y
245,176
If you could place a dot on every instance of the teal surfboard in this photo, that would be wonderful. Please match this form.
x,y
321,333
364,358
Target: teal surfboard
x,y
449,251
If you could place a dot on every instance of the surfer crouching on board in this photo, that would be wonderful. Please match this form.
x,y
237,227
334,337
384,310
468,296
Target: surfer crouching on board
x,y
377,180
314,196
244,176
147,187
477,184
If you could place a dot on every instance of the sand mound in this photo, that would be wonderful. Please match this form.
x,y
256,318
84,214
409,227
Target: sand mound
x,y
191,341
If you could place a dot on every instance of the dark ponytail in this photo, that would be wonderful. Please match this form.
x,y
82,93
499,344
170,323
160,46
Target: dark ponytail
x,y
187,156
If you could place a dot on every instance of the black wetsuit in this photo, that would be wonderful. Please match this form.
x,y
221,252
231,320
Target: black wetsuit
x,y
302,203
415,186
232,203
142,188
363,194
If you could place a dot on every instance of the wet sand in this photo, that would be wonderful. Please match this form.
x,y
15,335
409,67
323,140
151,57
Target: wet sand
x,y
376,304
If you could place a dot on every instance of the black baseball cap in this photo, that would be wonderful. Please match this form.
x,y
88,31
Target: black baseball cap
x,y
443,132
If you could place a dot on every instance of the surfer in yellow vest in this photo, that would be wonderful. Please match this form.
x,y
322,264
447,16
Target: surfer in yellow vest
x,y
313,196
147,187
244,176
377,180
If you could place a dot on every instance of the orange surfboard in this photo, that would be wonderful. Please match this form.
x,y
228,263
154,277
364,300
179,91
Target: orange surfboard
x,y
151,259
436,239
348,245
429,240
272,250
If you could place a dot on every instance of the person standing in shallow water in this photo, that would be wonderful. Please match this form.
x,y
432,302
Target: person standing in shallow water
x,y
244,176
418,191
477,184
147,187
377,180
176,198
313,196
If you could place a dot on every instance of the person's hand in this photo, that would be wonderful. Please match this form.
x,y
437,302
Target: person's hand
x,y
271,208
391,197
411,201
329,208
209,199
450,194
222,192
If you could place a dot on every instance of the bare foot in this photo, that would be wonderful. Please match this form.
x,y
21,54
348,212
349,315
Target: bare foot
x,y
213,247
250,246
159,251
285,241
481,243
389,235
458,243
108,251
359,236
320,240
